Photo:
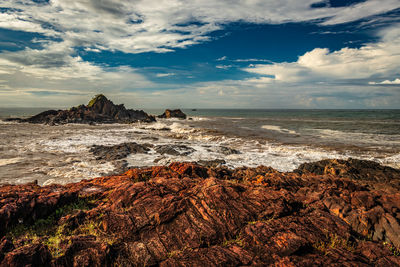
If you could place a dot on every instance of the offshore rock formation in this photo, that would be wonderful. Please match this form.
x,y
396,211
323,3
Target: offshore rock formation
x,y
189,215
99,110
176,113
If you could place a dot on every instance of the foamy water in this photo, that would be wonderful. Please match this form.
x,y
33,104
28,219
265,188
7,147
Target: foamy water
x,y
60,154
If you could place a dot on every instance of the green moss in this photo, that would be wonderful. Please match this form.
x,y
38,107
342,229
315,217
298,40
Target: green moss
x,y
46,230
53,242
334,241
238,240
395,251
95,99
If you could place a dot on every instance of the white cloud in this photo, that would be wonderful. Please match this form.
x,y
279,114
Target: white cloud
x,y
224,67
164,25
367,63
165,74
253,60
159,26
387,82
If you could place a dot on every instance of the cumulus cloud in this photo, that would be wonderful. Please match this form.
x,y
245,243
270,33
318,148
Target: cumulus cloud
x,y
159,26
361,65
387,82
64,26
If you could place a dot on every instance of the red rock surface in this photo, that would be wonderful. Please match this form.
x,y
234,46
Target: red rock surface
x,y
189,215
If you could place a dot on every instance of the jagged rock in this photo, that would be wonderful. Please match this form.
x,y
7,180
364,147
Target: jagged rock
x,y
363,170
351,168
185,214
31,255
176,113
99,110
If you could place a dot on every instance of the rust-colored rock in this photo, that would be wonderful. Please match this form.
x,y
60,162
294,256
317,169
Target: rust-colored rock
x,y
190,215
354,169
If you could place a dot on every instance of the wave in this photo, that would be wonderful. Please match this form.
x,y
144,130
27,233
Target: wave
x,y
4,162
278,129
60,154
358,137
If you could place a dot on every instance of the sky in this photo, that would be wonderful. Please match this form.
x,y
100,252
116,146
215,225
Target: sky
x,y
201,53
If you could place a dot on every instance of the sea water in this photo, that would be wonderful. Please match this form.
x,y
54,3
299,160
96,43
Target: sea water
x,y
282,139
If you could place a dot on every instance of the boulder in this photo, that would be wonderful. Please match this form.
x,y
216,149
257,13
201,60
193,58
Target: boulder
x,y
119,151
176,113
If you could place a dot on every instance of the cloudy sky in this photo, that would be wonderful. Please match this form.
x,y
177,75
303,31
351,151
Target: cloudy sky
x,y
201,53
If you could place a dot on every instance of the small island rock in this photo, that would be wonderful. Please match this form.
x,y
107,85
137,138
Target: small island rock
x,y
99,110
176,113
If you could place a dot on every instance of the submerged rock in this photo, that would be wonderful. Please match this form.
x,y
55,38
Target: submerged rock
x,y
176,113
99,110
119,151
190,215
174,150
228,151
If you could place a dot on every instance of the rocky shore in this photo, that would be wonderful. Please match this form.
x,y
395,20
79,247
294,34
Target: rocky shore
x,y
190,215
98,110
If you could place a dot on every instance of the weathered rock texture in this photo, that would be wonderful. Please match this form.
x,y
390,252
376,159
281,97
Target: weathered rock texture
x,y
189,215
176,113
99,110
363,170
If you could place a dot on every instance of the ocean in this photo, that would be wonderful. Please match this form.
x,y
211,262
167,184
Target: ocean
x,y
282,139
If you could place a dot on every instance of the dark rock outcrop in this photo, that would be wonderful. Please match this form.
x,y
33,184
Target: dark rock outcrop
x,y
189,215
119,151
99,110
176,113
175,150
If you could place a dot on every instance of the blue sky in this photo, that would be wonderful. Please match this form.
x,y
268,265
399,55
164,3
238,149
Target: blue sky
x,y
201,53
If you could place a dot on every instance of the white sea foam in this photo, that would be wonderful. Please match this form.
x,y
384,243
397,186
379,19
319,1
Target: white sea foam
x,y
278,129
4,162
8,122
181,128
156,126
61,155
200,119
357,137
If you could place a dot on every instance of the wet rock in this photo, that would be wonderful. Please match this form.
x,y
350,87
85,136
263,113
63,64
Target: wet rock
x,y
119,151
186,214
174,150
99,110
176,113
228,151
